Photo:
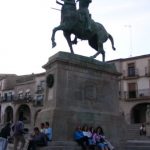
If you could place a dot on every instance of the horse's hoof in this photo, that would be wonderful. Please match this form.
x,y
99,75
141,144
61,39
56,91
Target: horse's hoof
x,y
114,48
92,57
53,44
74,42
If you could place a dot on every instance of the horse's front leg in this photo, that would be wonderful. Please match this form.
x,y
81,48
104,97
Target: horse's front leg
x,y
68,38
53,35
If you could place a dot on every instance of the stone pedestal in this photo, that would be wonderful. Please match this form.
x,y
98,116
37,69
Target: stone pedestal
x,y
81,91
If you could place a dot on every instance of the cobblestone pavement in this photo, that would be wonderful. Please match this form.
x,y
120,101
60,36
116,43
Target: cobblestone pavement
x,y
10,146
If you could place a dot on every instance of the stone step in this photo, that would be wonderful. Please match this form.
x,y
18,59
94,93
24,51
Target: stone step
x,y
137,148
59,148
134,137
61,145
55,145
138,145
133,132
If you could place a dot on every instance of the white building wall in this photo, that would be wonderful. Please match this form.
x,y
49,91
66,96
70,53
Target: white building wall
x,y
143,83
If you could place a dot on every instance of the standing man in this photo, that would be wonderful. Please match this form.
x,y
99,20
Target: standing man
x,y
18,135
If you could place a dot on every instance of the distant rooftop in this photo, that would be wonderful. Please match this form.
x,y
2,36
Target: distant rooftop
x,y
130,58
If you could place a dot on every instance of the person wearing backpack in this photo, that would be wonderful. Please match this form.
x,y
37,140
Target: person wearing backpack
x,y
19,134
5,132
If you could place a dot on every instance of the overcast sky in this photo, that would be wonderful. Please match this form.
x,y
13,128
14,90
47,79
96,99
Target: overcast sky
x,y
26,25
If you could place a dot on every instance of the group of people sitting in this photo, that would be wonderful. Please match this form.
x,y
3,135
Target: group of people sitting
x,y
40,137
90,138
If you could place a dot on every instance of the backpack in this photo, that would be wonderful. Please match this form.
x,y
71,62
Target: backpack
x,y
18,128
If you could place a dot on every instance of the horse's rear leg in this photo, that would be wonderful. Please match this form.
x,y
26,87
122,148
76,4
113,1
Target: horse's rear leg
x,y
68,38
53,35
74,40
100,50
112,41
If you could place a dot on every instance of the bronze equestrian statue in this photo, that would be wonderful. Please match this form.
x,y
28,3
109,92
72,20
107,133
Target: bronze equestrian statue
x,y
79,23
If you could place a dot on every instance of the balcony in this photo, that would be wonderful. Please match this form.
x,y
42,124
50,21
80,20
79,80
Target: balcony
x,y
130,74
39,90
38,101
143,94
5,98
23,99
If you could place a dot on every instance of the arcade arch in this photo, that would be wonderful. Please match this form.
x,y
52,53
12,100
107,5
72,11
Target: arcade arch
x,y
138,113
24,113
8,115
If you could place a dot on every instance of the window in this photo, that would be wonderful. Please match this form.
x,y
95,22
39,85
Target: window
x,y
42,83
131,90
10,96
39,97
131,70
39,88
5,96
39,100
28,95
20,95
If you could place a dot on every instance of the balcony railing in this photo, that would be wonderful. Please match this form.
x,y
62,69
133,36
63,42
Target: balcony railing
x,y
137,94
134,73
38,103
6,98
40,89
23,99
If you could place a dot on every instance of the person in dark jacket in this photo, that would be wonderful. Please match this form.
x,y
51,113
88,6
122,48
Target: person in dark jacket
x,y
5,132
38,139
18,134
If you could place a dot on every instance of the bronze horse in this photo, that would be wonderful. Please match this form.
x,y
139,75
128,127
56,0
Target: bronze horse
x,y
71,23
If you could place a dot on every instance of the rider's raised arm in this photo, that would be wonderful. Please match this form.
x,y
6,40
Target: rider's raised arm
x,y
59,2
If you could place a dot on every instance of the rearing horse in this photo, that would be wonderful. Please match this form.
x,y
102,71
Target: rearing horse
x,y
71,23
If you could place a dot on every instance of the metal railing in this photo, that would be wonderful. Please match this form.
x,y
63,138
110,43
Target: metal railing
x,y
131,73
137,94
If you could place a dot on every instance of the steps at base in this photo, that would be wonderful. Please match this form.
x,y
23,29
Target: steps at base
x,y
138,145
61,145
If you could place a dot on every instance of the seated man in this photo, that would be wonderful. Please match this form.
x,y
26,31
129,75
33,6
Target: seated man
x,y
38,139
48,131
80,138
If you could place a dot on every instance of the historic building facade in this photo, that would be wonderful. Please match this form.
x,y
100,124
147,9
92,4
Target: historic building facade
x,y
134,87
21,97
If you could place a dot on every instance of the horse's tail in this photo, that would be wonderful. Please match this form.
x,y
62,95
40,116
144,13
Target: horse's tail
x,y
112,41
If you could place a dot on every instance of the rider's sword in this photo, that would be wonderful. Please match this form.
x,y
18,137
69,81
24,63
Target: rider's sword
x,y
55,9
